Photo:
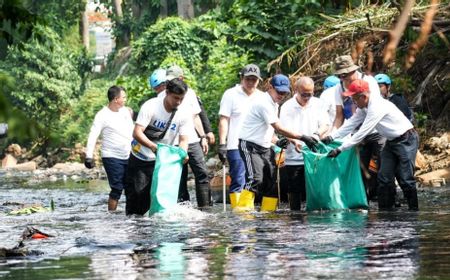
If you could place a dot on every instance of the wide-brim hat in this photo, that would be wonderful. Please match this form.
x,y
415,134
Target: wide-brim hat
x,y
344,64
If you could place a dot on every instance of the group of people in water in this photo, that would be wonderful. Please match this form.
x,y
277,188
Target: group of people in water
x,y
355,108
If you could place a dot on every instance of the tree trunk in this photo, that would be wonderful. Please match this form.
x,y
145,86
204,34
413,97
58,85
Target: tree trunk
x,y
118,8
185,9
163,9
136,10
84,28
125,38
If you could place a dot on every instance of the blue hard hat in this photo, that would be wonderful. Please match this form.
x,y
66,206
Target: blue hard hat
x,y
383,79
157,77
330,81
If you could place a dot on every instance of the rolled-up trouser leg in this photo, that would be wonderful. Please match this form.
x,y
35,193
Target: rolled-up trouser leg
x,y
198,166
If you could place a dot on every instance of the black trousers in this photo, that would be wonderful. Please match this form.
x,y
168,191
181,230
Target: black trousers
x,y
259,169
139,182
198,167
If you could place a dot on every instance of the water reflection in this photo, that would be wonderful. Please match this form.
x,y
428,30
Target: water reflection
x,y
191,244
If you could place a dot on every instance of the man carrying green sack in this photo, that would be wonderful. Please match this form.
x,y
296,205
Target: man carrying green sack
x,y
159,121
398,155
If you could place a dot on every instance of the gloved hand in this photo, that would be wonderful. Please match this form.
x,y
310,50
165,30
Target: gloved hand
x,y
311,142
327,140
222,153
334,153
89,163
282,143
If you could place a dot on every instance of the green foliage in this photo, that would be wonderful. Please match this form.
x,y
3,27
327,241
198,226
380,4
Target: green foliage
x,y
18,129
47,76
137,89
265,29
166,37
73,128
222,68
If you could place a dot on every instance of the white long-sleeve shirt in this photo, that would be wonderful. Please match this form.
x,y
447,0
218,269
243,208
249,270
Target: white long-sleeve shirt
x,y
116,129
380,114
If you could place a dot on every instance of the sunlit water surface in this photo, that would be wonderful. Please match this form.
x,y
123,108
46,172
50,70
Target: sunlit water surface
x,y
90,243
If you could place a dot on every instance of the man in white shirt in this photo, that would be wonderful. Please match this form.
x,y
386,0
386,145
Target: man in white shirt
x,y
255,140
198,147
371,146
160,120
303,114
234,106
398,155
114,122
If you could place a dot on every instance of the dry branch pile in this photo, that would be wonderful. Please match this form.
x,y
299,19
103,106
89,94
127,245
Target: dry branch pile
x,y
361,32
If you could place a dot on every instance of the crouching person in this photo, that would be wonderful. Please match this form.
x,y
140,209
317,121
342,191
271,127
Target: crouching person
x,y
255,140
159,121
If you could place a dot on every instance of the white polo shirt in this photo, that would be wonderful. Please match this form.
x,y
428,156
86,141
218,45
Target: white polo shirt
x,y
116,129
304,120
235,105
380,114
190,104
153,112
257,125
329,102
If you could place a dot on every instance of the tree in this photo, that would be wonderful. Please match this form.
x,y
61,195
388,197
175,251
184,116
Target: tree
x,y
84,28
185,9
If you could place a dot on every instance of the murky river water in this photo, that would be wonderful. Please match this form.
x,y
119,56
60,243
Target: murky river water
x,y
90,243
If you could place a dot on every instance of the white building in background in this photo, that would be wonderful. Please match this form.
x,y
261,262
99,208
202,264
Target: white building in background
x,y
100,27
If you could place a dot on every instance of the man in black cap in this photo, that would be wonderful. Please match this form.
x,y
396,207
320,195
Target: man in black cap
x,y
233,108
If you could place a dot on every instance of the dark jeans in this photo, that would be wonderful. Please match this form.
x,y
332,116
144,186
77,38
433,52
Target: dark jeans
x,y
397,162
259,169
237,171
139,182
198,167
116,171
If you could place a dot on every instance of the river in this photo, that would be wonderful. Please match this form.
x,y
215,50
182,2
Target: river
x,y
90,243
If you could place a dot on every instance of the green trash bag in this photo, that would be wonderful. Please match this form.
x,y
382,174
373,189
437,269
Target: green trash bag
x,y
333,183
166,178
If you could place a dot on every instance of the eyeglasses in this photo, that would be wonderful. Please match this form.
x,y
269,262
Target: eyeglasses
x,y
282,93
306,95
345,75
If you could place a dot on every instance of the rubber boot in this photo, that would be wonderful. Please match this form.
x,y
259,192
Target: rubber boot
x,y
112,204
203,194
386,198
411,197
269,204
295,201
234,199
246,201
